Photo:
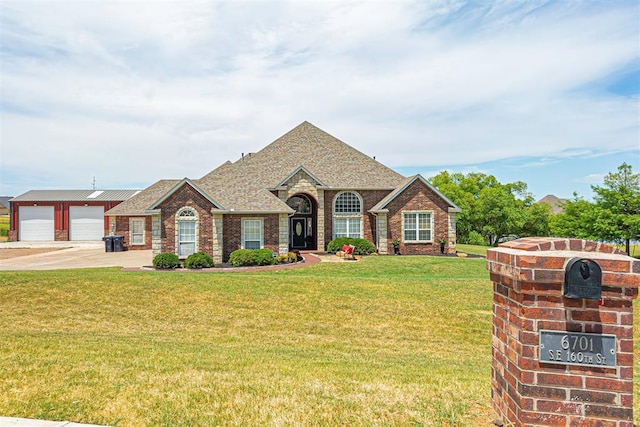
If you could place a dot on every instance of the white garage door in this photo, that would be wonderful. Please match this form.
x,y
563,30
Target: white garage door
x,y
86,222
36,223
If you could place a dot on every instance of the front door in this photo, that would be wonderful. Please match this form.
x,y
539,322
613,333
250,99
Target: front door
x,y
298,233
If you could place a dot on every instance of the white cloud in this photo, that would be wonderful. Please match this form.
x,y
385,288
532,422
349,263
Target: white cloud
x,y
183,86
593,178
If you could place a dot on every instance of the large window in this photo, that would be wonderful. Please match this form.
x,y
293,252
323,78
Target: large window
x,y
347,215
252,236
347,227
136,231
186,232
347,203
417,226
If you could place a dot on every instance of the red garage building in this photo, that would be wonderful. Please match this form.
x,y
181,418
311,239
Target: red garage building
x,y
45,215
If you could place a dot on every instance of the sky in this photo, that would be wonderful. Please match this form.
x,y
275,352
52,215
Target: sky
x,y
120,94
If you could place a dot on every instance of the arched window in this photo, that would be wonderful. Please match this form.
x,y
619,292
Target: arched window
x,y
347,215
300,203
186,231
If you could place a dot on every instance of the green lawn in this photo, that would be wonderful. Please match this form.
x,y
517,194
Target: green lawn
x,y
472,249
385,341
4,227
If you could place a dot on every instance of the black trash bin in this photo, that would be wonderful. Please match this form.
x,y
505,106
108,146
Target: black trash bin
x,y
118,243
108,243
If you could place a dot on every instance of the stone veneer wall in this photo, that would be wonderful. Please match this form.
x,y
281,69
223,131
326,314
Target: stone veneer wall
x,y
383,240
452,238
283,245
528,276
217,237
301,182
156,234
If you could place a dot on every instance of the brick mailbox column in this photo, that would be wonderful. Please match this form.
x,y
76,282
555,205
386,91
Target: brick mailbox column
x,y
562,360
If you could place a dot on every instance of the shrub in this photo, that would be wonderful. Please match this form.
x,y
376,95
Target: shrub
x,y
361,246
264,257
241,257
475,238
245,257
289,258
198,260
166,261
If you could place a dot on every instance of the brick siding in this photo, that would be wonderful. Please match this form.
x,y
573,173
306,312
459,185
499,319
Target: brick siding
x,y
186,197
417,197
528,278
123,229
369,199
232,229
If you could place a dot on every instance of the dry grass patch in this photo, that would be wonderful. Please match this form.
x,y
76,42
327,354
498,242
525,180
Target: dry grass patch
x,y
8,253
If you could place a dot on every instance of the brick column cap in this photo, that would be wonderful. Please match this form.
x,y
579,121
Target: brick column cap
x,y
543,260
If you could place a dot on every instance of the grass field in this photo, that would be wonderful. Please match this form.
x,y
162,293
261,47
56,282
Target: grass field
x,y
385,341
4,227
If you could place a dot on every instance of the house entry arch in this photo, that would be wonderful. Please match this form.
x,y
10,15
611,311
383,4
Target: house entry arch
x,y
303,223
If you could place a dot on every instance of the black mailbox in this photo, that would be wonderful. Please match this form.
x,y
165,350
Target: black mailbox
x,y
583,279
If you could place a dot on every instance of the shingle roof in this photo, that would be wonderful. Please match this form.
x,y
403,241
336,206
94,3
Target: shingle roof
x,y
244,185
138,204
74,195
382,204
179,185
556,203
334,162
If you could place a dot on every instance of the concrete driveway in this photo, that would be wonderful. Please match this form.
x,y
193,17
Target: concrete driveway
x,y
64,255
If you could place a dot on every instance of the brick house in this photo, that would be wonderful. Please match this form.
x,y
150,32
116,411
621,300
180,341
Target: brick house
x,y
299,192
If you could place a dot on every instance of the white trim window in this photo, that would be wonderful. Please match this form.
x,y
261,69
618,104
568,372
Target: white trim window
x,y
252,233
186,232
136,231
347,215
417,226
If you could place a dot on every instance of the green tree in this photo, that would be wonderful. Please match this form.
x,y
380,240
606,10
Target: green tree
x,y
620,197
492,209
577,219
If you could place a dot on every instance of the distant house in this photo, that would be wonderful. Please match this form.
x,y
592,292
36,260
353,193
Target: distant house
x,y
44,215
557,204
4,205
299,192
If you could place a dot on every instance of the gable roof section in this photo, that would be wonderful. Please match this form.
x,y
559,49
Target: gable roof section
x,y
138,204
292,174
179,185
382,204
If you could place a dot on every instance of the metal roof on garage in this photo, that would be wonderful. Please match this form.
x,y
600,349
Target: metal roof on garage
x,y
74,195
